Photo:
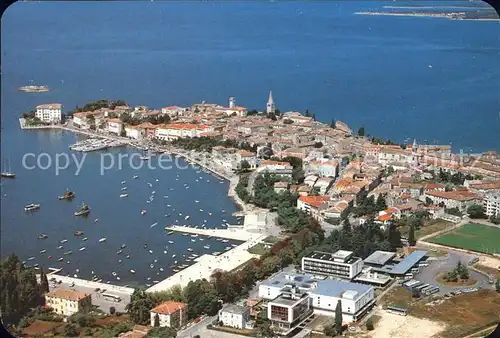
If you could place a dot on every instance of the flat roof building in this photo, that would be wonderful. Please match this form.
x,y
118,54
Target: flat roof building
x,y
379,258
340,264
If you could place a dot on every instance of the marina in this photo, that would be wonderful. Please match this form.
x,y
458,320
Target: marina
x,y
95,144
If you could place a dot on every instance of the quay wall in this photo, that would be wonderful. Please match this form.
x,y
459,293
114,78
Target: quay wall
x,y
90,284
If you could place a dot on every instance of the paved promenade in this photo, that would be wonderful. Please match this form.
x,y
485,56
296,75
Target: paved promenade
x,y
91,284
236,234
207,264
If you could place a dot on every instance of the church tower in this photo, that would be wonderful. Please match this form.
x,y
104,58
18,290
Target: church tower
x,y
270,108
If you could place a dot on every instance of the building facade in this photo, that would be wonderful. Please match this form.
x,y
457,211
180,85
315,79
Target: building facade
x,y
51,112
492,204
289,309
68,302
341,264
235,316
171,314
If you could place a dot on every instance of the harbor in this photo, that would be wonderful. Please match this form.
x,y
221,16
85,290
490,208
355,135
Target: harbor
x,y
168,197
95,144
236,233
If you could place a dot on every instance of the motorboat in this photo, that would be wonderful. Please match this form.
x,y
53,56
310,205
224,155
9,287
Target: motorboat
x,y
151,266
119,252
124,188
123,182
68,195
113,273
171,242
170,233
123,246
135,177
132,271
67,253
31,207
193,240
151,252
63,241
43,251
84,210
225,241
143,211
195,235
102,240
154,224
78,233
123,195
82,248
189,249
59,247
43,236
96,220
173,256
60,259
161,269
127,257
207,247
85,238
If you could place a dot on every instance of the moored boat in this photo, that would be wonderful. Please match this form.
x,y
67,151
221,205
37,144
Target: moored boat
x,y
123,195
102,240
82,248
67,195
31,207
78,233
43,236
84,210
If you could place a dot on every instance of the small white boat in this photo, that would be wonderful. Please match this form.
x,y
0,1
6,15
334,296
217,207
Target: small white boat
x,y
132,271
63,241
143,211
123,182
85,238
123,195
195,235
189,249
102,240
157,180
43,251
31,207
82,248
225,241
161,269
117,278
113,273
59,247
209,214
154,224
196,201
60,259
193,240
171,242
119,252
31,258
153,192
151,266
96,220
173,256
123,246
168,205
207,247
151,251
148,202
156,261
135,176
124,188
186,218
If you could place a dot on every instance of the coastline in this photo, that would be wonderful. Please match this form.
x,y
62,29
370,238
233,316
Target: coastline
x,y
449,16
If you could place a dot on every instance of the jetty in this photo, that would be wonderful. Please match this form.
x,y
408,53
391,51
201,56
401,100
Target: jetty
x,y
236,233
206,265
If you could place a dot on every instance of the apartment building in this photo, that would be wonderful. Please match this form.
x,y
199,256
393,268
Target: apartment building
x,y
68,302
492,204
174,131
51,112
235,316
460,199
289,309
170,313
341,264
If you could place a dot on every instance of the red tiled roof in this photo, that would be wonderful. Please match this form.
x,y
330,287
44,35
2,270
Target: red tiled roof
x,y
168,307
314,201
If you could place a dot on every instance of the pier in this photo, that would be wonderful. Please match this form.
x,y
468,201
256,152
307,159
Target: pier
x,y
237,234
206,265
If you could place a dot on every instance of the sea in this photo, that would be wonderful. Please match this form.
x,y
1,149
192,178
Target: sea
x,y
402,78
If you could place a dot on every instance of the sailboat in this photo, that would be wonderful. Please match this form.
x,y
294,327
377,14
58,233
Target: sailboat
x,y
8,173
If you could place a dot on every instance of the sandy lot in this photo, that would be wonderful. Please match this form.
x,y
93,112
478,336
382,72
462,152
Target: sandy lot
x,y
491,262
392,325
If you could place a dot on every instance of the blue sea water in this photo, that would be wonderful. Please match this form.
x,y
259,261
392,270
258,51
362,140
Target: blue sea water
x,y
370,71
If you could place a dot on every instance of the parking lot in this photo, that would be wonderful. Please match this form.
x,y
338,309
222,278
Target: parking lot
x,y
447,263
97,296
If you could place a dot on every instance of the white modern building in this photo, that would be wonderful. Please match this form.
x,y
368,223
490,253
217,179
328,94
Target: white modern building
x,y
341,264
492,204
235,316
292,298
135,132
51,112
173,131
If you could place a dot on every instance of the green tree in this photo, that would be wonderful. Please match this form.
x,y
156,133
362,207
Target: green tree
x,y
112,310
44,283
265,331
380,204
157,320
476,211
369,324
70,330
338,317
162,332
244,165
497,285
361,131
332,124
306,113
139,307
313,116
330,331
411,235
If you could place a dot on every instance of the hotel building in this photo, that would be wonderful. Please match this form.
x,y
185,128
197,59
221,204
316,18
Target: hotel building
x,y
171,314
341,264
51,112
67,302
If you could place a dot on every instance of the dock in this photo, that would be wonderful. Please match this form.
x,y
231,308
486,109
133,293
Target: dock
x,y
206,265
236,233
